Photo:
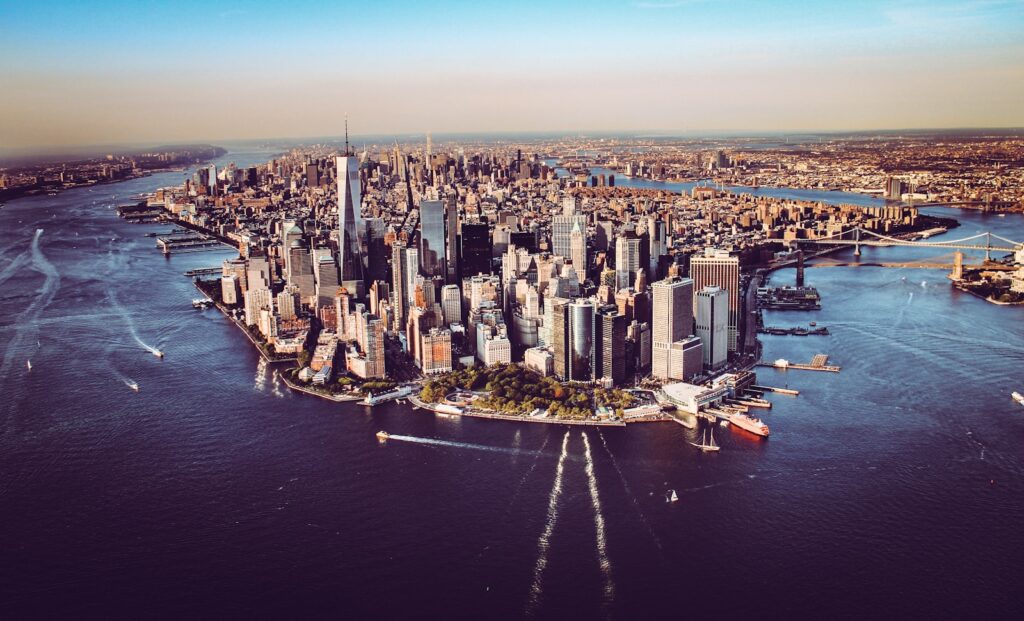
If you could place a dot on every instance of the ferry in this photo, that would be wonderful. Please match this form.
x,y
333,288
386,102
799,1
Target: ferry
x,y
753,425
372,400
383,436
201,303
1019,398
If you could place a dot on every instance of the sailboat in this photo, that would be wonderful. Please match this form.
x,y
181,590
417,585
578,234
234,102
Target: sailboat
x,y
705,445
671,496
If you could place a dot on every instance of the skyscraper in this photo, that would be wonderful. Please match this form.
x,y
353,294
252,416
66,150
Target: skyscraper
x,y
432,238
452,249
451,304
672,322
350,222
476,249
717,269
713,325
610,345
578,251
627,260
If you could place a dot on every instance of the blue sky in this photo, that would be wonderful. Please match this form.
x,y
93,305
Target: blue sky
x,y
101,72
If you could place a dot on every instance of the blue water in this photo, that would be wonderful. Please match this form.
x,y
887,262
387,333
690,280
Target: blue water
x,y
891,489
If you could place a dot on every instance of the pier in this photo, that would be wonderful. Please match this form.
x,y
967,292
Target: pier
x,y
818,363
185,241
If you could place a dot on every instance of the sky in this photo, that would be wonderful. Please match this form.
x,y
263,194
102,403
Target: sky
x,y
109,72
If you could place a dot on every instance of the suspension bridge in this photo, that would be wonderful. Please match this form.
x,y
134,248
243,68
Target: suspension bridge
x,y
858,236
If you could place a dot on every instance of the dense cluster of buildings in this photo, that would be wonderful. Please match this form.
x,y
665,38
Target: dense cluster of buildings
x,y
483,258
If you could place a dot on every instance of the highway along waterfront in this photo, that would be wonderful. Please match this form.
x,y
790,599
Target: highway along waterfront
x,y
214,491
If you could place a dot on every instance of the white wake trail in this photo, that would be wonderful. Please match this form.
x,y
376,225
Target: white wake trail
x,y
602,540
632,496
123,312
544,542
27,319
461,445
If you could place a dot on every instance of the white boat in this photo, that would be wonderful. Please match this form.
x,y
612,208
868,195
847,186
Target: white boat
x,y
158,353
671,496
134,386
28,363
383,436
705,445
1019,398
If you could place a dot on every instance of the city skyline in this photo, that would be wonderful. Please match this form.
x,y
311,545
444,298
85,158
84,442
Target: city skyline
x,y
118,73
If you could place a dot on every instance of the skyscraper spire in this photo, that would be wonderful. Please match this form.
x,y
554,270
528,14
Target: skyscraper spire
x,y
347,150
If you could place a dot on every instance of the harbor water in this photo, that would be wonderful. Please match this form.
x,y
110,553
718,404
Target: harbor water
x,y
893,488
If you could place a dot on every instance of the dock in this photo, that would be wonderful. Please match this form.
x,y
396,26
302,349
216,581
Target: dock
x,y
781,391
818,363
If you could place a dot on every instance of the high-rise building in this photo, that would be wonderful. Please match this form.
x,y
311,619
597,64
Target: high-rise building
x,y
452,249
326,273
376,250
578,251
672,322
717,269
451,304
300,271
610,345
350,223
713,325
581,341
476,249
436,348
627,259
230,292
432,238
562,226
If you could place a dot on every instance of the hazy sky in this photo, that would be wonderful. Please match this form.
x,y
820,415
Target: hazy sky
x,y
99,72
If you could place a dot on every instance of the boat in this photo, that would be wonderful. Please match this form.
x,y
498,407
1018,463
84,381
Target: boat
x,y
134,386
671,496
28,363
705,445
753,425
158,353
383,436
723,423
1019,398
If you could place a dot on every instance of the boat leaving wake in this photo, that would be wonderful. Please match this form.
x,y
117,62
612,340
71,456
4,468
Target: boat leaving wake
x,y
544,542
462,445
131,324
602,540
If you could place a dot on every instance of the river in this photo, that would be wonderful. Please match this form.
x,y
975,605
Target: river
x,y
893,488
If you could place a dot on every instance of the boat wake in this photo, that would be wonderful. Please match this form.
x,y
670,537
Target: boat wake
x,y
260,381
12,268
461,445
629,492
602,540
26,328
544,542
130,323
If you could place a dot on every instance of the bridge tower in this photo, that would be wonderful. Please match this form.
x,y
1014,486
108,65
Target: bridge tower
x,y
856,237
799,268
958,266
988,247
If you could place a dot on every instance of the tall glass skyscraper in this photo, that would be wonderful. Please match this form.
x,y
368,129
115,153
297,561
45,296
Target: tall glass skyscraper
x,y
353,269
432,238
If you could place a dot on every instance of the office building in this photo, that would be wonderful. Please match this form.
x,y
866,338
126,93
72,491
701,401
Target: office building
x,y
718,269
713,325
672,321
